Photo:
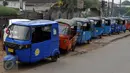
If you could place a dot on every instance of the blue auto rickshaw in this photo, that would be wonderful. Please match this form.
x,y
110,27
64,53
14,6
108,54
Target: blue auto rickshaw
x,y
119,25
107,26
97,26
85,33
31,41
115,25
123,25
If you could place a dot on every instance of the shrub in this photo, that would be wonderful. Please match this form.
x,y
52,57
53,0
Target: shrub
x,y
7,11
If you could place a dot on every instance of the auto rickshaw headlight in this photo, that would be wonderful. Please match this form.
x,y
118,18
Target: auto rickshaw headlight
x,y
24,46
64,41
21,46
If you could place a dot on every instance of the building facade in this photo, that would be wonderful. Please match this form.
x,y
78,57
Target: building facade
x,y
15,4
37,5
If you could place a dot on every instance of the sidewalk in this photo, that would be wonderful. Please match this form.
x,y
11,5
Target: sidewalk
x,y
98,43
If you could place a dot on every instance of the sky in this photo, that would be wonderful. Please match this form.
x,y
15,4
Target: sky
x,y
116,1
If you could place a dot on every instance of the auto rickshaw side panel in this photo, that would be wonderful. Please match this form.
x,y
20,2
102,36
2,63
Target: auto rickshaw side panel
x,y
107,29
107,26
48,47
84,37
128,26
99,31
65,43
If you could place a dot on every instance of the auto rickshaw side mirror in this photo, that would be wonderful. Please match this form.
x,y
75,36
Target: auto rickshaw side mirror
x,y
7,31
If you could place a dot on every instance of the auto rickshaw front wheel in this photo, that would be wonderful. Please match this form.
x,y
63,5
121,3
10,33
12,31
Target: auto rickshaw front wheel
x,y
129,30
90,39
124,31
8,65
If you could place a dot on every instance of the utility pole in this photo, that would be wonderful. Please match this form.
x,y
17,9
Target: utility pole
x,y
120,9
108,10
112,7
101,9
21,5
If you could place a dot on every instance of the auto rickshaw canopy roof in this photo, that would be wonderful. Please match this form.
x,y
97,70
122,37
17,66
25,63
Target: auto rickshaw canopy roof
x,y
67,21
94,18
81,19
107,19
126,18
114,18
35,23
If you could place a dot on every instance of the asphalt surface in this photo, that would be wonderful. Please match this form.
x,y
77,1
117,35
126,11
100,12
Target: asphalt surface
x,y
113,58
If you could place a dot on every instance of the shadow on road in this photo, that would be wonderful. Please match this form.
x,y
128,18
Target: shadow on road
x,y
24,66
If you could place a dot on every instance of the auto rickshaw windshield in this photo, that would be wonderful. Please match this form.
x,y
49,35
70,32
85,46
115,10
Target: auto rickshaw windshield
x,y
63,29
118,21
19,32
124,22
98,23
108,22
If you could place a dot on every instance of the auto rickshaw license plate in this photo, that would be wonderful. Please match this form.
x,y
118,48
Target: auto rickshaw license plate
x,y
10,50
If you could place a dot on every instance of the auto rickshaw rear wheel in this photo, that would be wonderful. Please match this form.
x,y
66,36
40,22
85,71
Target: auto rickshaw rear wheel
x,y
73,47
100,36
54,58
8,65
109,34
64,51
88,41
118,32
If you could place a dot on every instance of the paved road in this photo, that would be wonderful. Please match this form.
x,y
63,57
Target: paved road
x,y
113,58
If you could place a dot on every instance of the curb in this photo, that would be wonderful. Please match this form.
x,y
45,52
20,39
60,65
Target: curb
x,y
104,44
116,39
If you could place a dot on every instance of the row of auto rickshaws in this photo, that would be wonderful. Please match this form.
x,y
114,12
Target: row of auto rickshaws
x,y
82,30
31,41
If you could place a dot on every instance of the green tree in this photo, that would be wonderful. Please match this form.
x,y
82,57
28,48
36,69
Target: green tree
x,y
91,4
125,10
126,2
6,11
70,4
94,6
